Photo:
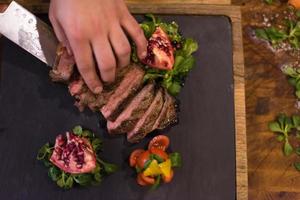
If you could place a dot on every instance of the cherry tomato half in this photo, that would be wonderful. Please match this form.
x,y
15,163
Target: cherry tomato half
x,y
134,156
147,179
140,181
160,142
142,159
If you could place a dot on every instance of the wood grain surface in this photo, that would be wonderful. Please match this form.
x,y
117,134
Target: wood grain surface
x,y
239,88
39,2
271,175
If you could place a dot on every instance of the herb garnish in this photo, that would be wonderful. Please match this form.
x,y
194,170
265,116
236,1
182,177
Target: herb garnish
x,y
276,36
184,60
283,126
293,74
66,180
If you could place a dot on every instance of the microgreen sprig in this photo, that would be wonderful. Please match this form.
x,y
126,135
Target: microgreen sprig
x,y
283,126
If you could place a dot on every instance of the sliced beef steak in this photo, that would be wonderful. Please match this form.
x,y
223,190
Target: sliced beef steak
x,y
85,98
63,66
131,82
146,122
168,115
133,112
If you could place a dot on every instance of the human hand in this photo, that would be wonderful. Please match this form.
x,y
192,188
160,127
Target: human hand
x,y
97,29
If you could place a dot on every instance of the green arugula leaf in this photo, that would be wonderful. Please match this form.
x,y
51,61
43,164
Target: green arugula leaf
x,y
64,181
261,33
77,130
298,13
97,144
87,134
44,152
288,149
184,66
54,173
297,166
280,138
290,34
156,183
108,167
147,164
298,94
296,121
176,160
157,158
189,47
148,28
298,151
69,182
293,78
83,179
275,127
269,1
98,177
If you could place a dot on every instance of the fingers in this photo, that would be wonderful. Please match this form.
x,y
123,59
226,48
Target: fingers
x,y
60,34
86,66
136,33
105,58
120,46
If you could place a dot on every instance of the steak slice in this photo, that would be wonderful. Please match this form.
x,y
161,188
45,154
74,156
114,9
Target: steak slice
x,y
133,112
168,115
127,88
145,124
63,66
84,96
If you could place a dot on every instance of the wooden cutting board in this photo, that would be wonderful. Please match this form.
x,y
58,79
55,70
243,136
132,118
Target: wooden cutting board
x,y
233,13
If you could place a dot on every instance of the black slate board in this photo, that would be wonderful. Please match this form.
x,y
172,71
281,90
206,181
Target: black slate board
x,y
34,110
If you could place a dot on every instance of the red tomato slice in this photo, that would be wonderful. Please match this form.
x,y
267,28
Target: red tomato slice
x,y
147,179
160,142
140,181
142,159
134,156
169,178
160,153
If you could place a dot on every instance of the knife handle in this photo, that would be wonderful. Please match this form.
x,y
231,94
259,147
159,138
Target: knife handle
x,y
3,7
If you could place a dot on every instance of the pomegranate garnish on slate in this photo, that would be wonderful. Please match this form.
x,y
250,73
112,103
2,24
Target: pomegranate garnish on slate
x,y
160,51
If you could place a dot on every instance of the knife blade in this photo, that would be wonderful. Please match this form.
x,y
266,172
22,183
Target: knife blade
x,y
29,32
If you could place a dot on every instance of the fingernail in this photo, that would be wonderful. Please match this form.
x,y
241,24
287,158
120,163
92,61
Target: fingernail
x,y
98,90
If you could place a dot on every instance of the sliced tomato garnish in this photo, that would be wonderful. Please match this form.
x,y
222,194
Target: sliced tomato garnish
x,y
147,179
134,156
159,142
142,159
140,181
